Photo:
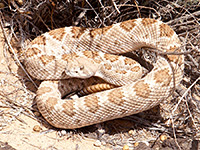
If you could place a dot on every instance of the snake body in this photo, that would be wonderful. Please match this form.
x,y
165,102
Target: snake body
x,y
60,56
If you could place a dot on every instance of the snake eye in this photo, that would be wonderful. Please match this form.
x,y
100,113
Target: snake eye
x,y
82,67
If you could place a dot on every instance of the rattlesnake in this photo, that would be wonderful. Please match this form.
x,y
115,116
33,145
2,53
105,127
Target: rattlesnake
x,y
50,57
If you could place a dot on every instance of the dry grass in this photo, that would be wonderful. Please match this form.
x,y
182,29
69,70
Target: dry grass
x,y
179,117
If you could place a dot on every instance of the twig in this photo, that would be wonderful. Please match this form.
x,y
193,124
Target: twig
x,y
13,52
94,11
136,3
115,6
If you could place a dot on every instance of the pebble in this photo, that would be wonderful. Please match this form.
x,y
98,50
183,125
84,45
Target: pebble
x,y
97,143
37,128
20,2
131,132
136,144
2,5
103,143
126,147
63,132
37,114
163,137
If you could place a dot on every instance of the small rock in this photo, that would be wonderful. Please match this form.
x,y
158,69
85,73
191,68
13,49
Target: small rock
x,y
101,131
63,132
20,2
131,132
37,128
103,143
126,147
97,143
136,144
37,114
2,5
163,137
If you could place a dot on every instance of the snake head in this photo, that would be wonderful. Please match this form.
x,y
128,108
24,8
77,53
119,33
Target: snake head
x,y
81,68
